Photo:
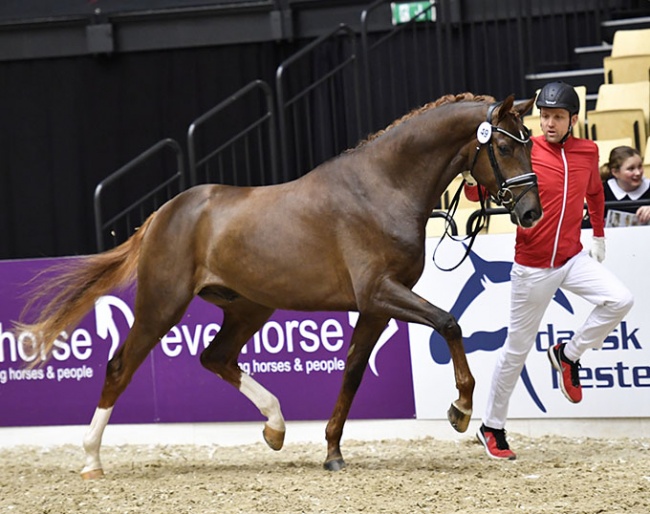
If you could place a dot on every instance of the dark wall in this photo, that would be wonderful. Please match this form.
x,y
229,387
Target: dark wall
x,y
21,10
66,124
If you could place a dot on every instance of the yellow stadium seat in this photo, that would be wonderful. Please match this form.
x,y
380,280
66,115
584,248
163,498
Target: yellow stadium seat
x,y
627,68
622,110
436,227
501,224
618,125
605,146
532,122
631,42
462,215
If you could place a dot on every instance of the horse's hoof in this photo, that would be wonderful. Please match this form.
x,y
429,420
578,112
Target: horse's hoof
x,y
334,465
274,438
92,474
458,417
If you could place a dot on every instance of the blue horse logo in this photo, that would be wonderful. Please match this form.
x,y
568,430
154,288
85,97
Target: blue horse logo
x,y
496,272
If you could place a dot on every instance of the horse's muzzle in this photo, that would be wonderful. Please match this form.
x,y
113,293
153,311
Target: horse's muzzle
x,y
528,218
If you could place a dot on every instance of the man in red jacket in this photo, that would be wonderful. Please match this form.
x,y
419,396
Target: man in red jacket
x,y
549,256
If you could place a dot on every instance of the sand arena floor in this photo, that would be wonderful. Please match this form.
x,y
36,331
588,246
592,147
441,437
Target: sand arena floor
x,y
552,475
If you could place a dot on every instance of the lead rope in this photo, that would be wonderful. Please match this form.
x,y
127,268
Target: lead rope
x,y
478,225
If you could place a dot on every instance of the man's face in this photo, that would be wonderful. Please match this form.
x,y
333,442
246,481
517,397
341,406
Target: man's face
x,y
555,123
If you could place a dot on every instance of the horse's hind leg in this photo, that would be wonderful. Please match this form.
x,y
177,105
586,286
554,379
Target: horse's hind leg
x,y
241,320
365,336
152,321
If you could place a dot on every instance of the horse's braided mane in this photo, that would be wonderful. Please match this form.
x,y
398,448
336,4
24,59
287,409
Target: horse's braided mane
x,y
446,99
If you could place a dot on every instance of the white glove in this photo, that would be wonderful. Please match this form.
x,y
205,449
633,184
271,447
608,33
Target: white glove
x,y
467,175
598,249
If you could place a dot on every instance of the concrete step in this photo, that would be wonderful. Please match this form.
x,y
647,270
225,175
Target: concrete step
x,y
592,56
590,100
591,78
610,26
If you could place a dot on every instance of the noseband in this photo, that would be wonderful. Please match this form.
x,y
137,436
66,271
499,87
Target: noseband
x,y
504,196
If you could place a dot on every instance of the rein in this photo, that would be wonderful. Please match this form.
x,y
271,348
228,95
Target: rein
x,y
476,228
505,196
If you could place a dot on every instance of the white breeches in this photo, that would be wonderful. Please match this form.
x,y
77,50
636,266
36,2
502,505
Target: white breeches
x,y
532,289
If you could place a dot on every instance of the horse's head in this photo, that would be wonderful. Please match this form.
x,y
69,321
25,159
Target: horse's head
x,y
501,161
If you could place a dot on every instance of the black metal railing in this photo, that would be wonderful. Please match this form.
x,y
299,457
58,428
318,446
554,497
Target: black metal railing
x,y
448,218
316,110
497,211
119,226
246,155
318,102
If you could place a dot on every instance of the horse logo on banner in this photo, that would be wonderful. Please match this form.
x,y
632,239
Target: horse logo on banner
x,y
496,272
106,325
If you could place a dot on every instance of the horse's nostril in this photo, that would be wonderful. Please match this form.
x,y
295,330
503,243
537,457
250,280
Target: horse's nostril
x,y
530,217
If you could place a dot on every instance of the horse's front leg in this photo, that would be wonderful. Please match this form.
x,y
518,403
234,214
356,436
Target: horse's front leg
x,y
364,338
399,302
460,411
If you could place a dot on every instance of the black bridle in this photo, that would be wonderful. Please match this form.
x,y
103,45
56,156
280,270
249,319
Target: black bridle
x,y
504,196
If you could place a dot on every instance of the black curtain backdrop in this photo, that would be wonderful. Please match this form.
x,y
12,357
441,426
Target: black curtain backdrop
x,y
66,124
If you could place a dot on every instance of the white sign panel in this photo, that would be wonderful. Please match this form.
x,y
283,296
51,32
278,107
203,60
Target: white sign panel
x,y
615,379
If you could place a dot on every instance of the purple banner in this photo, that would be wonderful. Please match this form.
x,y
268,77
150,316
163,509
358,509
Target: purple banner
x,y
297,356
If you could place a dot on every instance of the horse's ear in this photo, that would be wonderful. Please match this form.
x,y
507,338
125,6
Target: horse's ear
x,y
505,108
523,107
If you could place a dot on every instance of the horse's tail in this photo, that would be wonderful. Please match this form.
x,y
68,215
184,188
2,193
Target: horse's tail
x,y
65,299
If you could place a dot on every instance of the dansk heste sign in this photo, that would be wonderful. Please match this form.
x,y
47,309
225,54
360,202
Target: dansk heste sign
x,y
298,356
615,378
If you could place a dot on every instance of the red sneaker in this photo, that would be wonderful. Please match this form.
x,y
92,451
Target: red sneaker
x,y
494,441
568,370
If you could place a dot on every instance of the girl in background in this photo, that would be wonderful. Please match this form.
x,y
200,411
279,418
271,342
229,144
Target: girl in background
x,y
623,180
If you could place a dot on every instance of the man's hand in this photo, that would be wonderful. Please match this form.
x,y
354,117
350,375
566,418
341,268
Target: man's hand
x,y
469,178
598,249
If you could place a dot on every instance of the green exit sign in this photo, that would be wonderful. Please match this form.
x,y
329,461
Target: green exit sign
x,y
418,11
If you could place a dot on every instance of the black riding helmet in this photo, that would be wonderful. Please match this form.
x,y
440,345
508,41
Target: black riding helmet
x,y
559,95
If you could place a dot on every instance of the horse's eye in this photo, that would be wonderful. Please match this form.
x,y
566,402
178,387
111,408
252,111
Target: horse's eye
x,y
504,149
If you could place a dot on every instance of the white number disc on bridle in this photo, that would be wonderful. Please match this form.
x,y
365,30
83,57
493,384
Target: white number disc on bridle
x,y
484,132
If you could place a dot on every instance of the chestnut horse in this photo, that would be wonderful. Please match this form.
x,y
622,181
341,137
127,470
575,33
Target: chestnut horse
x,y
347,236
